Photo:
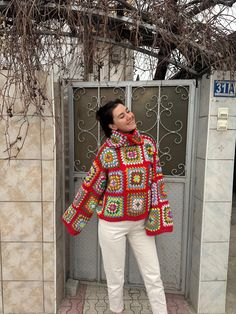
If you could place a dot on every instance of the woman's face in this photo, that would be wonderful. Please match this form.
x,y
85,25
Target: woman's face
x,y
123,119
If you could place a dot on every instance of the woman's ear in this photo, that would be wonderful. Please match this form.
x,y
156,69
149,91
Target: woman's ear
x,y
113,127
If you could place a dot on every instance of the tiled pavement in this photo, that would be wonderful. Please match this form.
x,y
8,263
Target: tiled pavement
x,y
92,299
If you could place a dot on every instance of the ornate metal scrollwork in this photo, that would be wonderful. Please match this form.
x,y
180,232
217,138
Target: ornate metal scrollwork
x,y
169,129
119,92
78,93
180,171
184,90
164,124
139,89
166,110
78,166
86,134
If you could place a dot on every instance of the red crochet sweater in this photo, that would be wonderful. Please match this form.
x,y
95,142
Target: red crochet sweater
x,y
126,178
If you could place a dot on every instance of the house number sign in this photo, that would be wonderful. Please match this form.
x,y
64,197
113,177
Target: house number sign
x,y
224,88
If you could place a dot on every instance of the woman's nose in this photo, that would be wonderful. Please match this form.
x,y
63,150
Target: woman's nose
x,y
129,116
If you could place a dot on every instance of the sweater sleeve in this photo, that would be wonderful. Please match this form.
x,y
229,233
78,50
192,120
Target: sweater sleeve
x,y
86,200
160,215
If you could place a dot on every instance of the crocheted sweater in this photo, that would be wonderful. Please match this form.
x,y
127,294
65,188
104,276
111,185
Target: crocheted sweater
x,y
126,179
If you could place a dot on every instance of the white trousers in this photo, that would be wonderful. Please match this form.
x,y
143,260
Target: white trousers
x,y
112,239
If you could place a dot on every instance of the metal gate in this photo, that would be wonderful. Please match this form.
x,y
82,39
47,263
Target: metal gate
x,y
164,110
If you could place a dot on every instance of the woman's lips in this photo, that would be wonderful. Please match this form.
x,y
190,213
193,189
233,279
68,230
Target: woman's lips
x,y
131,122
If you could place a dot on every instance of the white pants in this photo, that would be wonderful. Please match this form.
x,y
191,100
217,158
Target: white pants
x,y
112,239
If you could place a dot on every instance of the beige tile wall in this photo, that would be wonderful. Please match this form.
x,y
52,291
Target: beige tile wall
x,y
23,297
1,312
213,200
29,189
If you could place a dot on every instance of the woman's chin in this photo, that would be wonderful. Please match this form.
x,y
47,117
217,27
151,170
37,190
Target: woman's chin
x,y
132,130
128,130
134,127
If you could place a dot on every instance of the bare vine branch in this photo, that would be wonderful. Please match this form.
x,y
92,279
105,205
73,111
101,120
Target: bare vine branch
x,y
181,38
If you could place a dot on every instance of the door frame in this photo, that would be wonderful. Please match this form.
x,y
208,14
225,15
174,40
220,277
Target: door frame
x,y
189,165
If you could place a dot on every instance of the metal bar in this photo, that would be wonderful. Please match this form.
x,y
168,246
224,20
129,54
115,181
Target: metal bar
x,y
62,121
191,190
188,169
127,248
99,257
129,97
158,115
133,83
71,168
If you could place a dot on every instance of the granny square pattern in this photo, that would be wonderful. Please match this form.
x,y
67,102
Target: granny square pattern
x,y
69,214
114,207
109,158
116,139
80,222
131,155
161,191
158,167
155,198
100,183
115,182
125,182
154,220
90,204
148,151
136,178
91,174
136,204
167,215
79,196
150,174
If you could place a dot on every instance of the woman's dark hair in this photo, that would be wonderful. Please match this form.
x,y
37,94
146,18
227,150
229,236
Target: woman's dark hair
x,y
105,117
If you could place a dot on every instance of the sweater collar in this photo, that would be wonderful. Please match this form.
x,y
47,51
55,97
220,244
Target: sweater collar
x,y
118,139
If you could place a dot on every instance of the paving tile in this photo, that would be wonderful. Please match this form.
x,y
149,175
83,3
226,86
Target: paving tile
x,y
66,303
93,299
74,311
138,310
64,310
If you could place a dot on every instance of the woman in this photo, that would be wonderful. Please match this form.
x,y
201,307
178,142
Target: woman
x,y
126,178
